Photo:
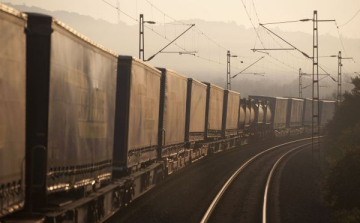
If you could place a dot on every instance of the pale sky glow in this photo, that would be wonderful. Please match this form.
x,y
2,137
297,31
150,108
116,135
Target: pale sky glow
x,y
227,26
225,10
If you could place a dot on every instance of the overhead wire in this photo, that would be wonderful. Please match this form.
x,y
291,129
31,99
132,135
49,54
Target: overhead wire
x,y
282,46
331,69
206,36
350,19
182,23
117,8
283,22
197,29
171,42
152,5
340,38
134,19
280,65
312,83
248,67
302,52
293,21
258,36
159,34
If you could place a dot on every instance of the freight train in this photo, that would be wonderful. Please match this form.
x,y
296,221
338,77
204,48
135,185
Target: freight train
x,y
84,131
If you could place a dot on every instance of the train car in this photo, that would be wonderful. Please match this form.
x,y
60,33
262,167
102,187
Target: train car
x,y
195,113
247,114
195,118
92,130
258,126
244,121
268,114
252,105
137,113
327,109
260,115
258,112
230,113
295,112
242,115
307,113
278,106
71,86
250,113
214,111
268,133
12,110
172,113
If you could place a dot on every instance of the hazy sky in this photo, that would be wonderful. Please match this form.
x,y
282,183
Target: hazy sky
x,y
279,66
224,10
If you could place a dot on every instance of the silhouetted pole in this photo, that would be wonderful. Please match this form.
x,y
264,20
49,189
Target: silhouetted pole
x,y
142,37
315,87
228,77
339,78
339,91
300,84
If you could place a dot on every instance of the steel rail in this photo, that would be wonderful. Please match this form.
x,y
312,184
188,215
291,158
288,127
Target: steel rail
x,y
264,217
234,175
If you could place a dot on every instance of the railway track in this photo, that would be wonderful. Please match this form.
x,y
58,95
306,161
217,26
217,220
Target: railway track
x,y
191,189
244,196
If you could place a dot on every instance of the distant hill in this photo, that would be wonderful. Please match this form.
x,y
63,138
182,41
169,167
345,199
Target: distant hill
x,y
281,78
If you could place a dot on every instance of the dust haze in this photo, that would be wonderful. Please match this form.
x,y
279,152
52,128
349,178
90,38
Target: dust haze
x,y
281,75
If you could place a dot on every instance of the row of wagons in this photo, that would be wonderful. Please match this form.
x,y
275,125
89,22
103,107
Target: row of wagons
x,y
73,114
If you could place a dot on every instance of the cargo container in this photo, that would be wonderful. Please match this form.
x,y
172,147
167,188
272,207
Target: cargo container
x,y
295,112
137,113
268,112
12,110
195,111
278,106
242,114
247,113
280,110
327,109
230,113
307,117
71,86
259,112
252,111
214,111
172,113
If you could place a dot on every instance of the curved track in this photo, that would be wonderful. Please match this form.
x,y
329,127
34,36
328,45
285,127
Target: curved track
x,y
270,178
241,197
186,194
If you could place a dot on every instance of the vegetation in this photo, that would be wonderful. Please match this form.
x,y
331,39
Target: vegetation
x,y
343,181
345,216
348,114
